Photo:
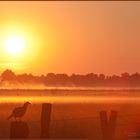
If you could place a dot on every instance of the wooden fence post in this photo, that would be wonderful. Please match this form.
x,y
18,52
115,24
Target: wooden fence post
x,y
19,130
108,126
45,120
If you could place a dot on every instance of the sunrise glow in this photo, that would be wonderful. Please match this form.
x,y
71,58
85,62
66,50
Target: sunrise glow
x,y
14,45
64,39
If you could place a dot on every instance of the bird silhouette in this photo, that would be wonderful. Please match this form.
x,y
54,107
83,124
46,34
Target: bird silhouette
x,y
19,111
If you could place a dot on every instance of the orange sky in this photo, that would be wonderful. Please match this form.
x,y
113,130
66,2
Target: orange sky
x,y
72,37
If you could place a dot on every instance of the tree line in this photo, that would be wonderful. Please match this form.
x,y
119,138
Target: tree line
x,y
87,80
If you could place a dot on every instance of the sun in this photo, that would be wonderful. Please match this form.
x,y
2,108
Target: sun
x,y
14,45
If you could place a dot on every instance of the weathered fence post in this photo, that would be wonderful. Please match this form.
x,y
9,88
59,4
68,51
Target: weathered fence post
x,y
19,130
108,126
45,120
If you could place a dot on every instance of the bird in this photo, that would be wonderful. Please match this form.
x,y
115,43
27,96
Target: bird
x,y
19,112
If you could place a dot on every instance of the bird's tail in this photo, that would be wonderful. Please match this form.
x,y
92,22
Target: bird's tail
x,y
10,117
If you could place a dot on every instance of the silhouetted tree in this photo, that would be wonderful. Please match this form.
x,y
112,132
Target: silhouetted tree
x,y
88,80
8,75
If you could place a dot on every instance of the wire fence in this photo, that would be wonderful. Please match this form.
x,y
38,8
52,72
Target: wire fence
x,y
97,117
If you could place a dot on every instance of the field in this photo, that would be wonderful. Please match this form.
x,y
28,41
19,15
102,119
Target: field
x,y
75,113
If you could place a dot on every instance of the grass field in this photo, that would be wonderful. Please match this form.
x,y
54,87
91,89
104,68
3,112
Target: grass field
x,y
75,113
